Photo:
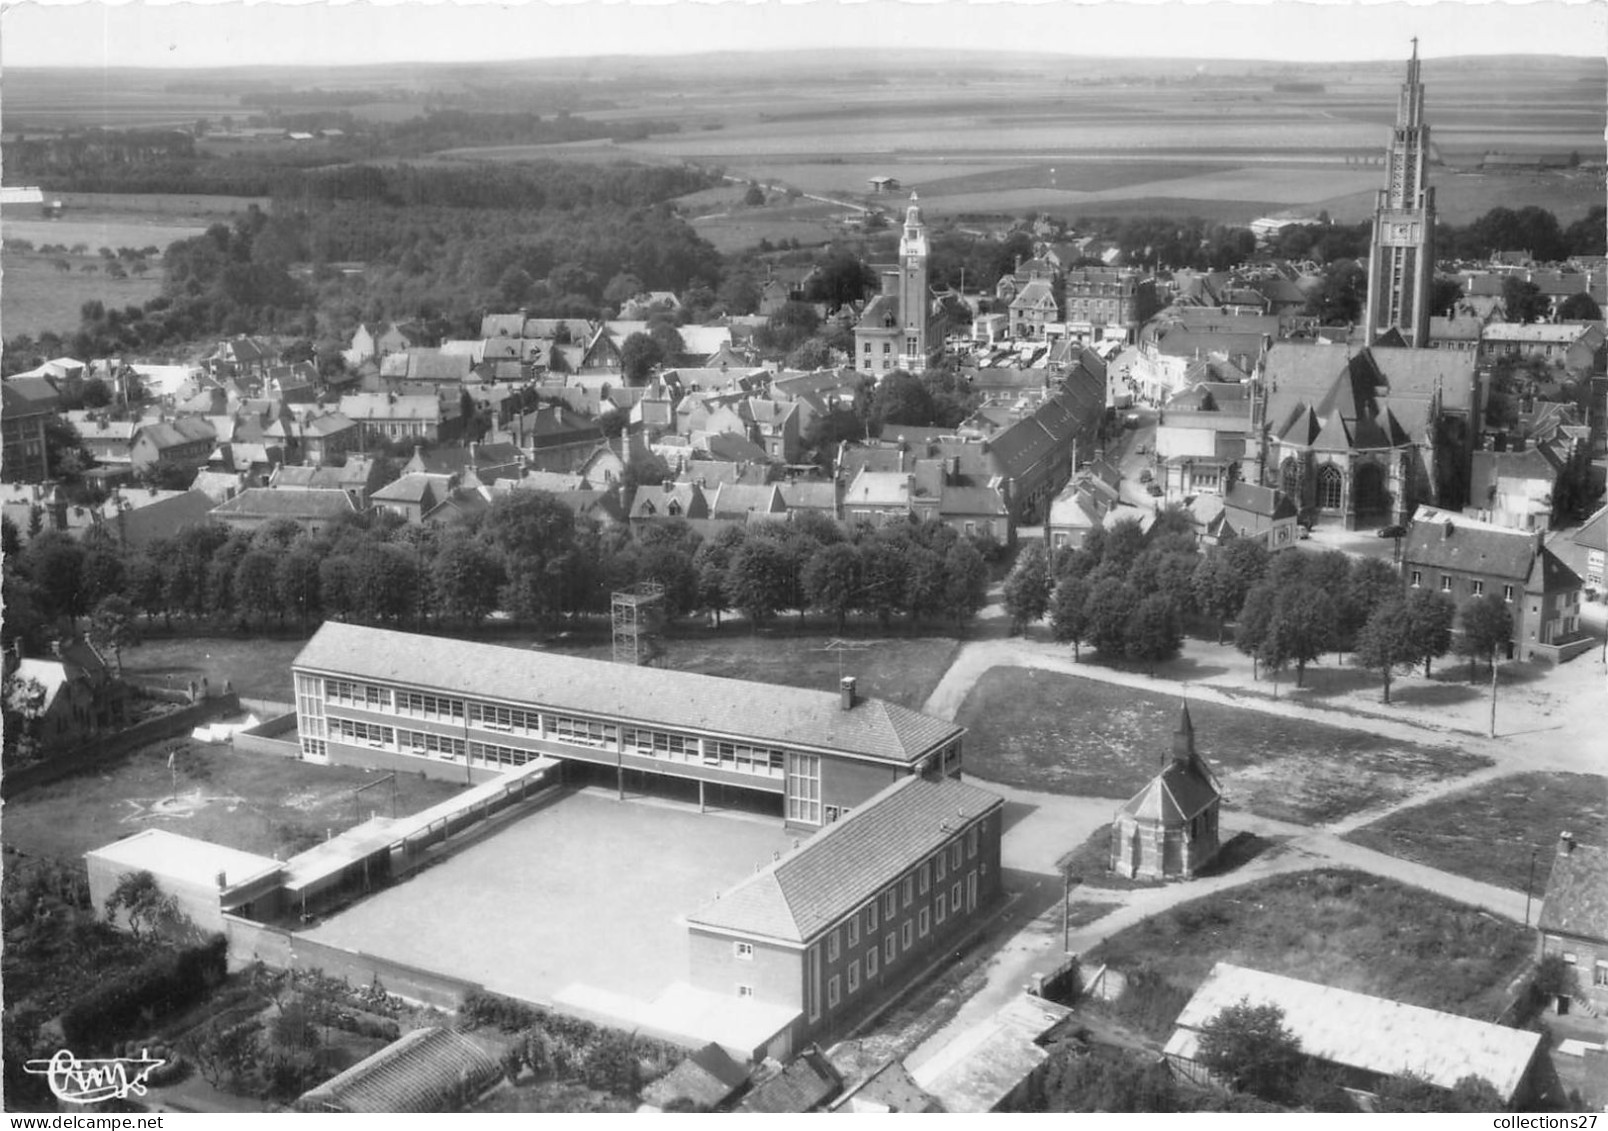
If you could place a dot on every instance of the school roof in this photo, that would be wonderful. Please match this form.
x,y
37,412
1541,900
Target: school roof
x,y
184,859
1368,1033
1577,893
788,716
817,884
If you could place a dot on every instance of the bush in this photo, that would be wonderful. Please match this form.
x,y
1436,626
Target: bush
x,y
156,987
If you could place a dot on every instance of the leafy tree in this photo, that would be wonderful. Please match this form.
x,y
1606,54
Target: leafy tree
x,y
1409,1092
256,585
1579,308
639,354
1339,298
1069,611
1487,628
1523,300
1372,582
925,581
900,398
759,580
1429,624
112,626
296,579
1027,587
103,569
1111,606
1124,542
467,575
1254,620
966,581
1302,626
1153,633
1249,1047
754,197
712,563
151,913
54,562
882,577
840,279
1385,642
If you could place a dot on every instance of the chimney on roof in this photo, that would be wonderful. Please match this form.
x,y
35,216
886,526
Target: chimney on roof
x,y
846,689
223,880
1566,843
1446,529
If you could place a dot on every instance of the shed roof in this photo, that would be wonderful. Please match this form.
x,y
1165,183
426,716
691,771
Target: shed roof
x,y
423,1071
1369,1033
184,859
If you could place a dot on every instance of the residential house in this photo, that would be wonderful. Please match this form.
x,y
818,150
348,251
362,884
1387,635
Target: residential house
x,y
829,931
986,1067
109,442
1033,308
1458,332
1079,508
185,442
243,357
218,485
706,1079
358,477
411,497
23,419
1524,486
1573,923
317,436
76,697
809,1083
1200,438
670,499
139,517
292,384
1169,829
1463,558
1575,347
737,502
486,462
376,340
776,428
314,509
386,416
1180,335
1250,511
818,496
1591,544
1367,1040
253,461
1102,304
556,438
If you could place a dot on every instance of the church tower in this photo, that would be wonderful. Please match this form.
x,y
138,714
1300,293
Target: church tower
x,y
1401,256
914,298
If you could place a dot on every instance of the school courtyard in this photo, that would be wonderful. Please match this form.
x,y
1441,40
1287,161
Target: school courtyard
x,y
587,891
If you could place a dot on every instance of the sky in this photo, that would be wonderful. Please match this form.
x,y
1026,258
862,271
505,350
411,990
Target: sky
x,y
212,34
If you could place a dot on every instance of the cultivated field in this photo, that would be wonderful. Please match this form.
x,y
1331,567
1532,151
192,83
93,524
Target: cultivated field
x,y
1527,812
36,296
627,871
1043,730
1334,927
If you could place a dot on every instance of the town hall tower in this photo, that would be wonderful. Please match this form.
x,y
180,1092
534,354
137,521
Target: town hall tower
x,y
914,298
1401,255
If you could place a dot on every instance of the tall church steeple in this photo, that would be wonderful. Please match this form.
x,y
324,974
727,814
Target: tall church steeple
x,y
914,300
1401,255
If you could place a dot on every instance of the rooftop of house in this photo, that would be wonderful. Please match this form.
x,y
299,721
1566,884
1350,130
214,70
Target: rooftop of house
x,y
1576,901
268,502
1444,539
1368,1033
1263,502
707,1077
1593,533
789,716
1537,333
813,887
804,1085
388,406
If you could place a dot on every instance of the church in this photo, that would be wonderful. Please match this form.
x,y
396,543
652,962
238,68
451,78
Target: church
x,y
1168,830
1401,253
896,330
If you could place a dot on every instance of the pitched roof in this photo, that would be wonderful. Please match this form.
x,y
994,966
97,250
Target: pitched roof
x,y
788,716
805,1084
814,886
1182,790
1577,893
706,1078
1593,533
270,502
423,1071
1441,539
1263,502
1369,1033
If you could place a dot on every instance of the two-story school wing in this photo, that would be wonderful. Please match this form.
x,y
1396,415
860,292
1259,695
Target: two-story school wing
x,y
835,926
464,711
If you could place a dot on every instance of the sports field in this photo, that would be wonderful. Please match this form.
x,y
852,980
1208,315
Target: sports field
x,y
586,891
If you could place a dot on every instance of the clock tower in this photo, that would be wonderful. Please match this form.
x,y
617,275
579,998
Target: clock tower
x,y
915,301
1401,256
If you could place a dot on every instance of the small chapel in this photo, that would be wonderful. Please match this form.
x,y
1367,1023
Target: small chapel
x,y
1168,830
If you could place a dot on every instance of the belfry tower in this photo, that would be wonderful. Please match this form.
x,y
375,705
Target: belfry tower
x,y
914,300
1401,256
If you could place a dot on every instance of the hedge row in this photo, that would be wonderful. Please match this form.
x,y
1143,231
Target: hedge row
x,y
155,988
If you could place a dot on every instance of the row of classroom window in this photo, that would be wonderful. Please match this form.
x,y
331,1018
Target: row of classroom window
x,y
738,757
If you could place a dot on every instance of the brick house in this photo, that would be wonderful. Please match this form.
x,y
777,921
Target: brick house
x,y
1249,511
831,928
1033,307
1465,558
1574,919
185,442
22,423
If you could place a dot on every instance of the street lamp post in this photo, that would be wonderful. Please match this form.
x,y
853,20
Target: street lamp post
x,y
1528,885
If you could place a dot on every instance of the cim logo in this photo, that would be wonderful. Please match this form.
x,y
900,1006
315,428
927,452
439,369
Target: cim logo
x,y
95,1081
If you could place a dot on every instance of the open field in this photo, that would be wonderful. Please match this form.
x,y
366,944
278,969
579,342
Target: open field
x,y
253,803
628,871
35,296
1488,833
1043,730
1335,927
900,669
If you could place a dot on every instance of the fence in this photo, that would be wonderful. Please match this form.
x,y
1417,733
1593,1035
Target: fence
x,y
111,746
265,737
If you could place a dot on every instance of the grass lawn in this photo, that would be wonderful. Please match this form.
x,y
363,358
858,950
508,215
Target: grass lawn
x,y
1487,833
257,804
901,669
39,298
1335,927
1045,730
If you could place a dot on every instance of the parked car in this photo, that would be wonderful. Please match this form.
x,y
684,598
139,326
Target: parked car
x,y
1397,531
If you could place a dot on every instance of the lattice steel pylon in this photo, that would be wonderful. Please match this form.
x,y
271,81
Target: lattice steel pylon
x,y
637,614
